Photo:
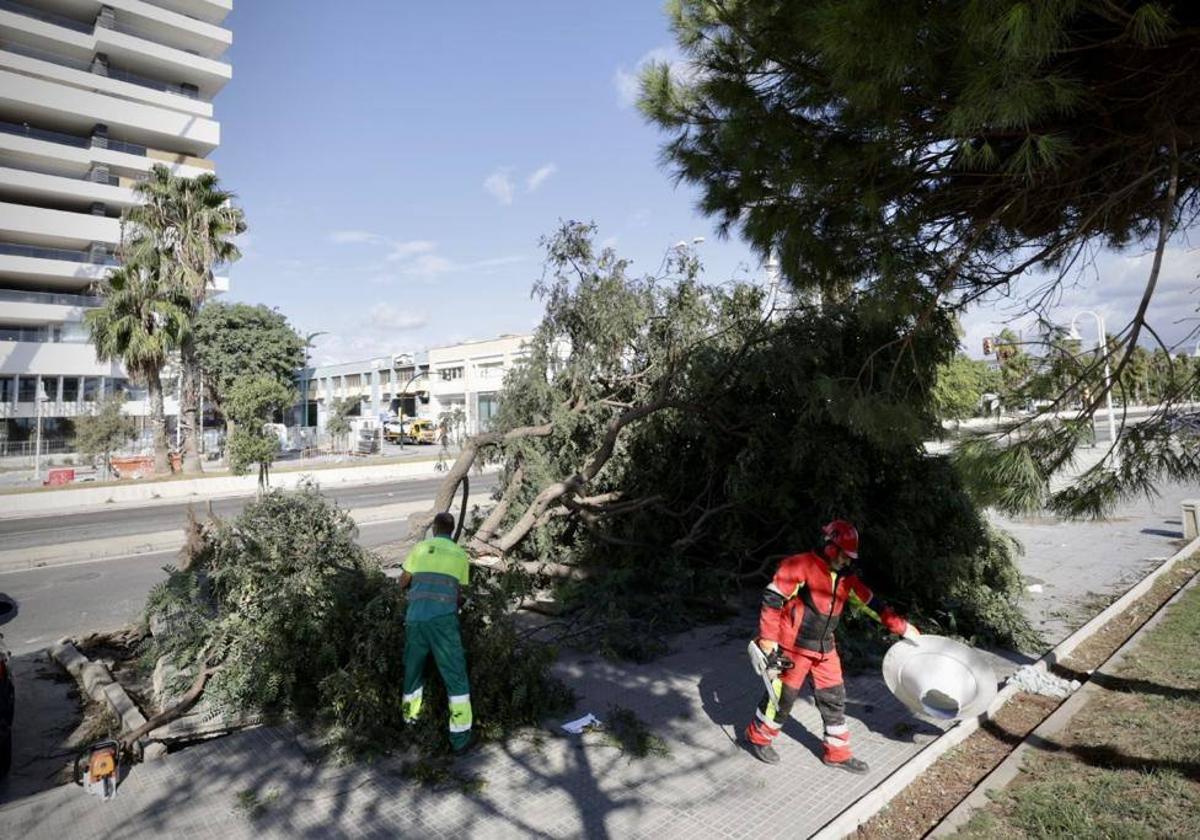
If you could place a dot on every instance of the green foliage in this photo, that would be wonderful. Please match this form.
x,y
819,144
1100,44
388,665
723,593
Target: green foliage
x,y
233,338
627,732
766,429
302,622
251,402
960,386
106,431
338,422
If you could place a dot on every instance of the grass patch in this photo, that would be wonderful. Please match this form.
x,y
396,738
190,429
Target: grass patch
x,y
1128,765
627,732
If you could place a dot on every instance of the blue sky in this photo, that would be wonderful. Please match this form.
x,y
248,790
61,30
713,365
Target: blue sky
x,y
398,162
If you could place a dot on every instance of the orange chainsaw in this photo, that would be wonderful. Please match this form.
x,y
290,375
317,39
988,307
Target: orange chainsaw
x,y
102,772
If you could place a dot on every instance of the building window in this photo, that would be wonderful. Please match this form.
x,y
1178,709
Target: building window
x,y
491,370
450,374
91,389
7,389
385,377
70,389
489,407
27,389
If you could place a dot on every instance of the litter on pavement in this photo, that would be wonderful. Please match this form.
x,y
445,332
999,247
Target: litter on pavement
x,y
581,725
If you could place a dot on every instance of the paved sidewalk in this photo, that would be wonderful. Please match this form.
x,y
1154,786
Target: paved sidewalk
x,y
696,698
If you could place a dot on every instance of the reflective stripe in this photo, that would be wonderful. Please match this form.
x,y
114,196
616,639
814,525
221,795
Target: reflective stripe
x,y
772,702
460,727
459,698
758,713
837,730
837,740
414,694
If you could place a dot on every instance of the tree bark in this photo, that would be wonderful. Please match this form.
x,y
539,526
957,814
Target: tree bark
x,y
158,421
189,699
189,408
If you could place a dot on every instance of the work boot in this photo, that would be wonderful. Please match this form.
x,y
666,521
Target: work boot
x,y
470,745
851,765
763,752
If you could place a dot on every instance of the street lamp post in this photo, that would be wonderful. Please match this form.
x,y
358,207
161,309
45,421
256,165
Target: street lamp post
x,y
1102,348
40,397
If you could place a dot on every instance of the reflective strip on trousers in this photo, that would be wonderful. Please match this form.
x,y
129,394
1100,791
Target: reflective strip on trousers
x,y
773,700
461,716
766,721
410,707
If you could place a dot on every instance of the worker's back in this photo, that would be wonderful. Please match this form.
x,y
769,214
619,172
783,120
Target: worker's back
x,y
439,567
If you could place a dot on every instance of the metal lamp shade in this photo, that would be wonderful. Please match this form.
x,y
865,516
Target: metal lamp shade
x,y
939,677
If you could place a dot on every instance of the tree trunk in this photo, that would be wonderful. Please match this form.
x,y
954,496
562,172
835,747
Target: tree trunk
x,y
189,408
158,421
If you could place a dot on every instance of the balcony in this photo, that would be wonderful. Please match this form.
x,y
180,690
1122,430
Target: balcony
x,y
48,17
43,335
67,254
49,298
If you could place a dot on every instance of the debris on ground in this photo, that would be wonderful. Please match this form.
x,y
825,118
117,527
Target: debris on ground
x,y
581,725
1039,681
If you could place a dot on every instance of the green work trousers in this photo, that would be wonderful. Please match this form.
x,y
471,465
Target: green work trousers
x,y
439,636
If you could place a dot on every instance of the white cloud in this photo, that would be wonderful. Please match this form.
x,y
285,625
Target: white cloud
x,y
540,176
353,237
628,80
385,316
404,250
500,185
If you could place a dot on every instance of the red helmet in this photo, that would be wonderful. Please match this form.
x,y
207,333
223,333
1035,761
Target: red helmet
x,y
843,536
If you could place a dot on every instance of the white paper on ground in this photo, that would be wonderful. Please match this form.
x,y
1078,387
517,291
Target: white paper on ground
x,y
576,727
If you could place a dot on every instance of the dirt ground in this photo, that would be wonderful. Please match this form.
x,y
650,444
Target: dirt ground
x,y
923,804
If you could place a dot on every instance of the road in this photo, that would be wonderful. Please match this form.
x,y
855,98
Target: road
x,y
37,531
105,594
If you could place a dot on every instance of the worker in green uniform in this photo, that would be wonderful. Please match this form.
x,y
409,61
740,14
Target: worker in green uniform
x,y
435,572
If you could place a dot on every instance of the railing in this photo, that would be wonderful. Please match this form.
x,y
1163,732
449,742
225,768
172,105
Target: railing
x,y
127,148
52,298
26,130
46,55
120,74
39,252
41,335
48,17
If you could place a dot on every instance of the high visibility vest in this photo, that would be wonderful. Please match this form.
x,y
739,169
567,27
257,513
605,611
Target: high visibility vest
x,y
438,567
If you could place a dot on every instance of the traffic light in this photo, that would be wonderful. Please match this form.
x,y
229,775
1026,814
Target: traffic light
x,y
987,346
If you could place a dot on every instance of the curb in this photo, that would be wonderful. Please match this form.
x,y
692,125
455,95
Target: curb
x,y
870,804
98,682
1010,767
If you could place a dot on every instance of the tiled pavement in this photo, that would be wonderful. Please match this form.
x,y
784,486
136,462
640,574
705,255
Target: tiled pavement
x,y
696,699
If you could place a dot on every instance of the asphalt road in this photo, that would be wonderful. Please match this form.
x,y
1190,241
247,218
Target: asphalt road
x,y
62,601
51,530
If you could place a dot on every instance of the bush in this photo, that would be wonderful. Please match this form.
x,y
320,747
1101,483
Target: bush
x,y
303,623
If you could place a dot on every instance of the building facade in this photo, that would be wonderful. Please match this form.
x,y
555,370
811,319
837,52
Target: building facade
x,y
92,96
459,381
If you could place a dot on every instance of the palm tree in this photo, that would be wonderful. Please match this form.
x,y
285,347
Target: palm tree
x,y
140,323
189,224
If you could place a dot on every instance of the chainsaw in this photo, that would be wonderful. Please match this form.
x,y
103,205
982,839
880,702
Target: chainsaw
x,y
100,775
769,666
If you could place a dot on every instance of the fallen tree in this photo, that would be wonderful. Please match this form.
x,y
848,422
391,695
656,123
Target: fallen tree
x,y
666,441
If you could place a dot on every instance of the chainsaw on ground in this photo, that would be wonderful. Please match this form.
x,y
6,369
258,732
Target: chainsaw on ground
x,y
769,666
100,775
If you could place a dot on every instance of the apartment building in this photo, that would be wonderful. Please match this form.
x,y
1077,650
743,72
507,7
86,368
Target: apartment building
x,y
463,379
92,95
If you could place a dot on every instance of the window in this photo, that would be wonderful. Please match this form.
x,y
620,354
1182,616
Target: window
x,y
450,374
27,389
91,389
489,407
7,389
70,389
491,370
385,377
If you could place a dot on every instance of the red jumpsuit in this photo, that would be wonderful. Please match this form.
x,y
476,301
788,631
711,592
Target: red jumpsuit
x,y
801,609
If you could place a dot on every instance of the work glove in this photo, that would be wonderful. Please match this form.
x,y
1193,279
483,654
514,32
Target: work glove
x,y
911,633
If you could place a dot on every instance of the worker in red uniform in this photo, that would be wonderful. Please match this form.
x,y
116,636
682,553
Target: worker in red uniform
x,y
800,611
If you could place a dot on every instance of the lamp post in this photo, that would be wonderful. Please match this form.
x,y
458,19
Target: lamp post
x,y
40,398
1102,348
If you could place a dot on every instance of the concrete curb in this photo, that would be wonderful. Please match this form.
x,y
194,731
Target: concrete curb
x,y
1007,770
98,682
866,807
111,548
